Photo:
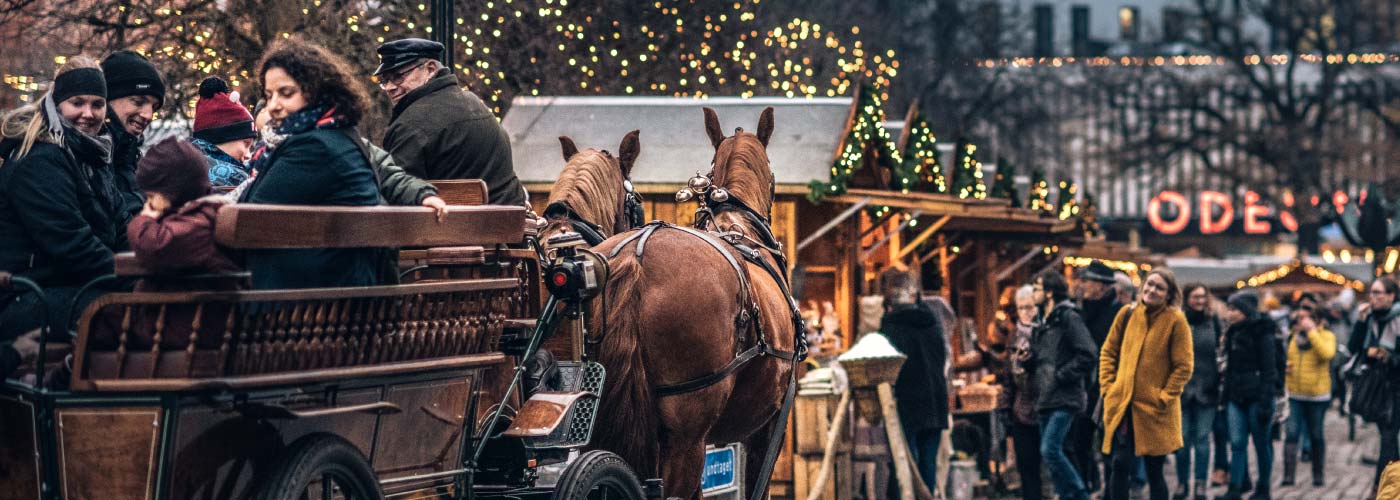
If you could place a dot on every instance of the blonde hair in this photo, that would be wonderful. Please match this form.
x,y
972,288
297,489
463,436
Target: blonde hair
x,y
28,122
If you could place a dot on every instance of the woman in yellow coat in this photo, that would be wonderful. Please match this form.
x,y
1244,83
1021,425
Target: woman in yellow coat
x,y
1143,368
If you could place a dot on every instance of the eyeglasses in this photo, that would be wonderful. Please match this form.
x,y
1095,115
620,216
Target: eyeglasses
x,y
397,78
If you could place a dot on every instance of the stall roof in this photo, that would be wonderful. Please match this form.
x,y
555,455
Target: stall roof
x,y
989,215
806,133
1226,273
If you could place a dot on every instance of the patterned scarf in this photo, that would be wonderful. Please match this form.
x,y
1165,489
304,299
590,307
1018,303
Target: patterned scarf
x,y
307,119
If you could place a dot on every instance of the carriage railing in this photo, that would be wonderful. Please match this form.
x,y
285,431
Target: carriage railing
x,y
182,337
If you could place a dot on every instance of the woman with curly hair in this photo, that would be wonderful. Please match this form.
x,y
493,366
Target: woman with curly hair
x,y
60,212
314,158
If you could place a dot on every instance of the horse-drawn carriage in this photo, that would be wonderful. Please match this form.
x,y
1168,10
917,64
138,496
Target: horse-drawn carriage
x,y
197,387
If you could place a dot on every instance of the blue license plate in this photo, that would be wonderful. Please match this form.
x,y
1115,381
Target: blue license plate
x,y
719,469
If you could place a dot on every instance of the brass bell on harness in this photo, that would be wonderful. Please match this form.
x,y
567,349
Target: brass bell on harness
x,y
719,195
699,183
684,195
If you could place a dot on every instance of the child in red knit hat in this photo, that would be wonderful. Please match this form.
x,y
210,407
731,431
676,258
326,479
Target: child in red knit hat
x,y
223,131
175,231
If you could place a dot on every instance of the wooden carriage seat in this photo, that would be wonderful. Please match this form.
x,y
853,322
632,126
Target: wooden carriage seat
x,y
462,192
194,334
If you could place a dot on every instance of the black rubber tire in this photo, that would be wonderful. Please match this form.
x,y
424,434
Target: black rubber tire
x,y
317,457
597,475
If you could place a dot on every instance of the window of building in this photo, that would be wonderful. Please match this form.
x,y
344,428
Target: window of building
x,y
1044,16
1173,24
1079,30
1128,23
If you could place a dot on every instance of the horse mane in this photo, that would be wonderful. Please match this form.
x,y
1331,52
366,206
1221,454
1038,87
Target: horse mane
x,y
589,185
741,166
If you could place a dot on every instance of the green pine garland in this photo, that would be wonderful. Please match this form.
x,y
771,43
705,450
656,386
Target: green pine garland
x,y
1068,202
967,173
1004,184
1039,193
1090,218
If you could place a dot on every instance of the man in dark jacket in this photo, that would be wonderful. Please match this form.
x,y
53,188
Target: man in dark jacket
x,y
135,92
438,130
1098,300
1251,375
1062,355
922,386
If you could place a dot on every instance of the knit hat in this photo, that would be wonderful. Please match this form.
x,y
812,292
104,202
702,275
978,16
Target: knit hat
x,y
129,74
81,81
1245,301
176,169
1098,271
218,116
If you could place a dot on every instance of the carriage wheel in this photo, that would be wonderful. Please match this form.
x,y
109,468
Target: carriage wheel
x,y
598,475
322,466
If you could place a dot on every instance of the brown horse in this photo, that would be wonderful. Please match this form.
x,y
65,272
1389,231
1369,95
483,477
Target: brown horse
x,y
592,196
680,306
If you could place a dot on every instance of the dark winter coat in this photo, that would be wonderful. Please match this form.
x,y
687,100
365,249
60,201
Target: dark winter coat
x,y
440,131
182,241
224,170
1204,386
397,186
1098,318
126,154
60,213
1252,366
1062,356
922,386
323,166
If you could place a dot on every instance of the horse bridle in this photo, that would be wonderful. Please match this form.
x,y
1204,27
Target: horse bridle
x,y
632,211
717,200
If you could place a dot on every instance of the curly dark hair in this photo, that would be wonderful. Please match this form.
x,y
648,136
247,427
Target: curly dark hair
x,y
324,76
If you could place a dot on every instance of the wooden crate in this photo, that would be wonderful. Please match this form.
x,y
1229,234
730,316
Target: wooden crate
x,y
813,416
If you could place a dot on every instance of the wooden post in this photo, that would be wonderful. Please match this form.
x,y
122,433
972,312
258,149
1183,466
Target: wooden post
x,y
911,486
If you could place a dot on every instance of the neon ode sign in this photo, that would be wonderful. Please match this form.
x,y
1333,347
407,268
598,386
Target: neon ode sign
x,y
1217,212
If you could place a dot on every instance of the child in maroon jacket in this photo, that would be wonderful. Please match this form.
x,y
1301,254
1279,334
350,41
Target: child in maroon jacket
x,y
175,231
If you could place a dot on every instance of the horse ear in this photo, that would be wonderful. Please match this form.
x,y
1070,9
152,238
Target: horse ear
x,y
765,125
628,151
712,127
569,148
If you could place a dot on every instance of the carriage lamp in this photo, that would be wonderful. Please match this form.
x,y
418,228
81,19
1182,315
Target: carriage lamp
x,y
575,273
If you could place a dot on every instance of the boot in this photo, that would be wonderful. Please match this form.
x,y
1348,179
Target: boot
x,y
1198,491
1246,486
1290,463
1232,494
1180,493
1261,493
1319,464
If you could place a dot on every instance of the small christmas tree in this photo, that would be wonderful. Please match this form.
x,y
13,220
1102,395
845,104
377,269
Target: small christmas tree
x,y
967,174
1040,193
1068,203
866,132
921,171
1004,184
1090,219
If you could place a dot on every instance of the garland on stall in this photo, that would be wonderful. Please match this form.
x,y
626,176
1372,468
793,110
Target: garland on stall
x,y
967,174
1004,184
1089,216
866,133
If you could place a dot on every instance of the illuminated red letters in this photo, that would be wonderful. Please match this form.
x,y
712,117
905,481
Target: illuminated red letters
x,y
1209,223
1183,210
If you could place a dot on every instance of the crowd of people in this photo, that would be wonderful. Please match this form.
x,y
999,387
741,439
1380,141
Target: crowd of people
x,y
1100,387
78,183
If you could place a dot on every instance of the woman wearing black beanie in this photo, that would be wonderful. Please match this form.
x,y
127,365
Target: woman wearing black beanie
x,y
1251,378
59,210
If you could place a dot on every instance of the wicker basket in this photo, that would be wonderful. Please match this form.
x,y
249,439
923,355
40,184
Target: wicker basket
x,y
979,397
871,372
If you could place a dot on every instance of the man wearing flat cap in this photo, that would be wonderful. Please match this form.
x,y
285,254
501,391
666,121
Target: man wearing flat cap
x,y
439,130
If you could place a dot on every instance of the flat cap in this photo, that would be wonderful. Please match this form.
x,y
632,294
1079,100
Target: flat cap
x,y
399,53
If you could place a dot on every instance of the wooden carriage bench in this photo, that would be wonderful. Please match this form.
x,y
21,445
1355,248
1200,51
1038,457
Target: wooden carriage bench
x,y
193,336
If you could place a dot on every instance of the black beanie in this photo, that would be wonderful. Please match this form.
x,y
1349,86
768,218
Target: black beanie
x,y
176,169
129,73
1245,301
80,81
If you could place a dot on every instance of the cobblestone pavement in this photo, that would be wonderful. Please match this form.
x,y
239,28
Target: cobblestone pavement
x,y
1347,477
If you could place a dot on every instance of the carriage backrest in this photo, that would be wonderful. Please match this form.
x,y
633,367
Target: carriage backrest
x,y
462,191
193,336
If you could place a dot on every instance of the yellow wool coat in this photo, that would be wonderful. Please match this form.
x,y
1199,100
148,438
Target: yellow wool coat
x,y
1147,368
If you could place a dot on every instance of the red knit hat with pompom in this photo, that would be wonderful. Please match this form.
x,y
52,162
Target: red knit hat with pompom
x,y
218,116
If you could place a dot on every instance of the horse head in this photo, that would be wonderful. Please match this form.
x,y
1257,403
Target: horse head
x,y
593,195
738,192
